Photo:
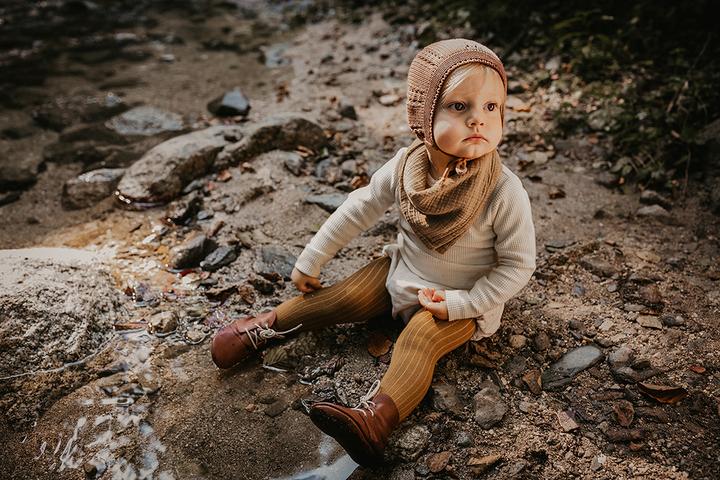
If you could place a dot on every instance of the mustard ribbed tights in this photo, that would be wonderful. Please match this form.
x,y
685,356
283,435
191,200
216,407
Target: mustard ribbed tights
x,y
363,296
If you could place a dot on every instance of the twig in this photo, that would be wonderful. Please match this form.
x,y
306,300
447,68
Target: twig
x,y
685,84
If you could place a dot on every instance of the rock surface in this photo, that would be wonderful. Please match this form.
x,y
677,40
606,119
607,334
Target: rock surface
x,y
162,173
145,121
573,362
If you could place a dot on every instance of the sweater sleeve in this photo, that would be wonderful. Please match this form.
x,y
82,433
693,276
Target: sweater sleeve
x,y
360,211
515,248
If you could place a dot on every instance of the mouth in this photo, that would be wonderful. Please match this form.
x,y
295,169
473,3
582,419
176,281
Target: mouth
x,y
476,138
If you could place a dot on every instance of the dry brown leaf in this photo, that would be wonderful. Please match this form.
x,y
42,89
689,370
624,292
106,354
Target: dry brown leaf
x,y
533,380
224,176
480,465
378,344
556,192
663,393
624,412
697,368
439,461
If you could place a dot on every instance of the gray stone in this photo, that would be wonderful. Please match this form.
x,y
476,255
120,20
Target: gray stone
x,y
274,261
218,258
91,187
573,362
672,320
162,173
279,132
230,104
489,406
445,398
597,266
412,442
145,121
651,197
180,211
463,440
191,252
347,110
328,202
294,162
653,211
276,408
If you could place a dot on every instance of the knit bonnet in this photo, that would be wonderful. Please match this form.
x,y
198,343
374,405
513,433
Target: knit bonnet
x,y
428,71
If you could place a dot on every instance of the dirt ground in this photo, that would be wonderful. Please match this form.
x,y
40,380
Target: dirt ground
x,y
154,406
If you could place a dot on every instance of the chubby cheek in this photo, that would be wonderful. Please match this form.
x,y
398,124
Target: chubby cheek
x,y
442,131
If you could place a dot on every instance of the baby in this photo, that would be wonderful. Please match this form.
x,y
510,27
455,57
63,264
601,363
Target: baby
x,y
465,245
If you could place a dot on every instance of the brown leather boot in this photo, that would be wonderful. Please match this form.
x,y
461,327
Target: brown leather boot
x,y
242,338
362,431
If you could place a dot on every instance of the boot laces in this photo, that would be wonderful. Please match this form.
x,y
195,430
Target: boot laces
x,y
263,332
366,404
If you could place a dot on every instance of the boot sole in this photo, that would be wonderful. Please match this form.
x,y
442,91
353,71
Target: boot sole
x,y
347,434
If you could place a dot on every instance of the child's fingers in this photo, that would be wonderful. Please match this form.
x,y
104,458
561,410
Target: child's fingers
x,y
438,296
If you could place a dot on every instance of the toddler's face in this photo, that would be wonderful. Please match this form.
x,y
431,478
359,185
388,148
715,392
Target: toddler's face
x,y
468,124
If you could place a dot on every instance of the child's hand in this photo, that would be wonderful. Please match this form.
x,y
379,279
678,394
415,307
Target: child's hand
x,y
304,283
434,302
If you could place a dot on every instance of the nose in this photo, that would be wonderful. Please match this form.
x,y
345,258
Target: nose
x,y
475,118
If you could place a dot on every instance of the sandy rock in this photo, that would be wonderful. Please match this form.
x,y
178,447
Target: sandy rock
x,y
412,442
445,398
278,132
57,306
91,187
653,211
162,173
651,197
162,322
518,341
650,321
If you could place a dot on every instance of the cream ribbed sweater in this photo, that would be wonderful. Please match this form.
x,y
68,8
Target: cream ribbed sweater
x,y
487,266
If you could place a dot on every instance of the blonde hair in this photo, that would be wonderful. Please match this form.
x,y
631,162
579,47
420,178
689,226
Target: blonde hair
x,y
461,73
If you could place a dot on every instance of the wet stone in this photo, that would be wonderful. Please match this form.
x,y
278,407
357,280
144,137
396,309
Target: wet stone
x,y
230,104
191,252
274,262
145,121
218,258
328,202
489,406
573,362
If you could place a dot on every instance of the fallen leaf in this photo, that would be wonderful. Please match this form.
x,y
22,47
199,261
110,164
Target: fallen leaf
x,y
439,461
663,393
482,464
624,412
378,344
533,380
697,368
